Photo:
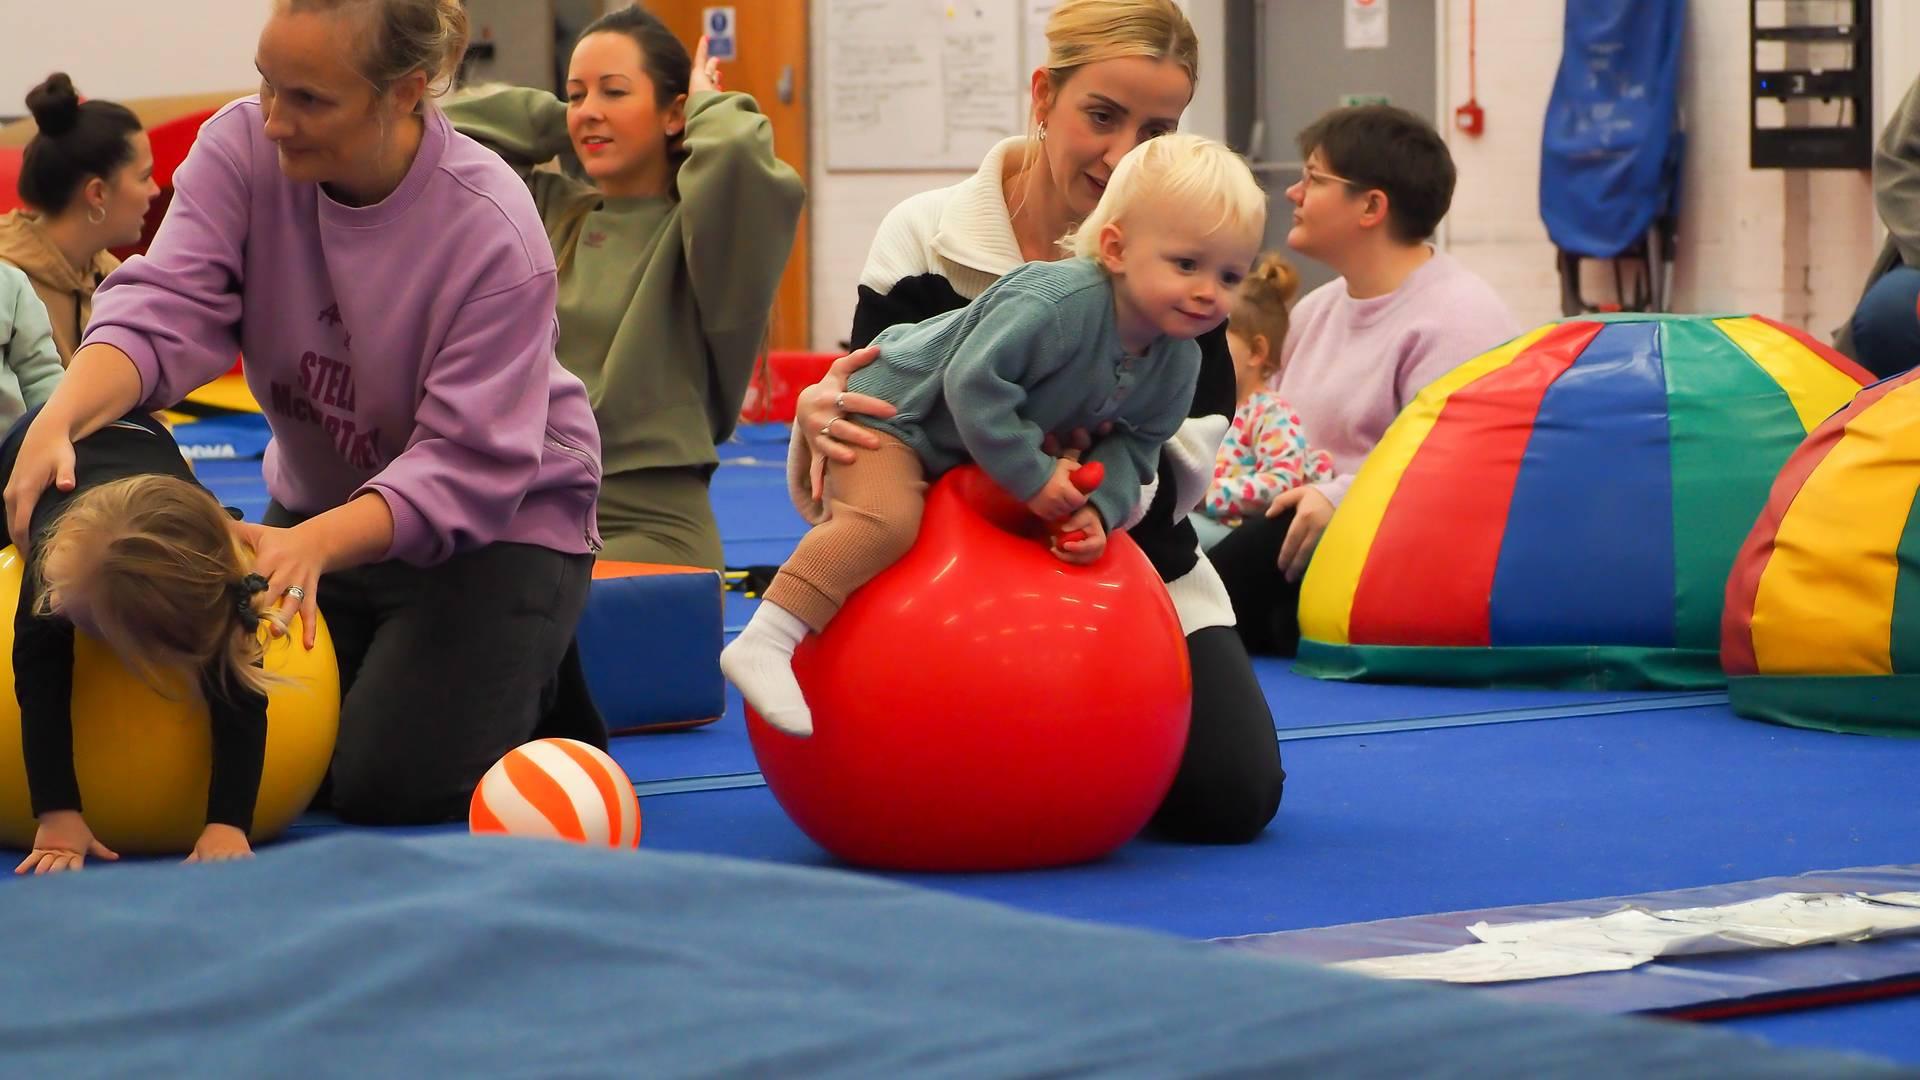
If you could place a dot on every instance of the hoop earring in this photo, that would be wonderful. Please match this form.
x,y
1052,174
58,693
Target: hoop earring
x,y
101,220
1043,131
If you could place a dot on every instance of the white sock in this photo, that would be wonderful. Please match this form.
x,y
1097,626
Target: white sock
x,y
760,663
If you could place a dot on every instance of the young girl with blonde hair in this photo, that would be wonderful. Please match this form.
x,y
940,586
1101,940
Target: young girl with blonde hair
x,y
1266,450
1104,339
138,555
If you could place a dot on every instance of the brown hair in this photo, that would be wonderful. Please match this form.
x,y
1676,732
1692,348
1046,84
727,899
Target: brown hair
x,y
164,577
668,66
1380,146
73,142
1263,306
400,37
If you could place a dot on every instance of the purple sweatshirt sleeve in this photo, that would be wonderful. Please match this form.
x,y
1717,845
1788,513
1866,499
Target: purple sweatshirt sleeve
x,y
480,429
175,311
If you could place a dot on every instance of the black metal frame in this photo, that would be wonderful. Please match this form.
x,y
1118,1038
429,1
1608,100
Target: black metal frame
x,y
1826,146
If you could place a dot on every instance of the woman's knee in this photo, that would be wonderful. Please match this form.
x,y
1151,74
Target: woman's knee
x,y
387,788
1230,780
1886,325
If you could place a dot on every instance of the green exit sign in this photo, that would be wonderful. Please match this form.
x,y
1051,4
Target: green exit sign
x,y
1348,101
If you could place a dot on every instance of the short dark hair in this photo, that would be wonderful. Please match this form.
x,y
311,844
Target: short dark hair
x,y
1379,146
76,141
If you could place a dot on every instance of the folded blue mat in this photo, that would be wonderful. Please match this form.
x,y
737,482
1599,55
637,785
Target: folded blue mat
x,y
489,956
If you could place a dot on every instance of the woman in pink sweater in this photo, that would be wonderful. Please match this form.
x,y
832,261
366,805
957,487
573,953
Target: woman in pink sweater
x,y
1377,182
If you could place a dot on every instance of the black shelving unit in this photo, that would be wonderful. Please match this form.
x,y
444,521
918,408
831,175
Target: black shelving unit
x,y
1847,144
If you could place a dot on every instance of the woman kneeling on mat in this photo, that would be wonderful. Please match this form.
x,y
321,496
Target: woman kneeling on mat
x,y
1117,72
140,556
433,469
1103,339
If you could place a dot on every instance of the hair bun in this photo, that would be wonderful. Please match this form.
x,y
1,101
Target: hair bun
x,y
1274,271
55,105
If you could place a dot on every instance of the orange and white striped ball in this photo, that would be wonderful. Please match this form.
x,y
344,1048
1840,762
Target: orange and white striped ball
x,y
558,789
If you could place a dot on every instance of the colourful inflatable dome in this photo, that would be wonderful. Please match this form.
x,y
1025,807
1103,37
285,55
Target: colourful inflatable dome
x,y
1822,625
1564,510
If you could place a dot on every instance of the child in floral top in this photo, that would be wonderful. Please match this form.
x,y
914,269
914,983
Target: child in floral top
x,y
1265,452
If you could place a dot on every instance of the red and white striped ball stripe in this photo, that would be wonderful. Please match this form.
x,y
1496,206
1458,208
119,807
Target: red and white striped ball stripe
x,y
558,789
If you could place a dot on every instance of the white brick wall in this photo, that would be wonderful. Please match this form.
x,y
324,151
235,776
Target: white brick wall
x,y
1749,240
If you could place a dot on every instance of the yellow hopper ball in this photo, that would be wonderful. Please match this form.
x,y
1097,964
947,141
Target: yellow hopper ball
x,y
143,761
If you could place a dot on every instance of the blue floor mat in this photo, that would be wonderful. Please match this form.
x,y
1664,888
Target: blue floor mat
x,y
1890,1029
1382,822
467,956
1411,822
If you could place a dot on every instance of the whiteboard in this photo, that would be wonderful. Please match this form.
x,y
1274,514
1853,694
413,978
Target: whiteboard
x,y
922,84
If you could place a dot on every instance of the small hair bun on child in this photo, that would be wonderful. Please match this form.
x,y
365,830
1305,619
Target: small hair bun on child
x,y
244,591
1272,271
55,105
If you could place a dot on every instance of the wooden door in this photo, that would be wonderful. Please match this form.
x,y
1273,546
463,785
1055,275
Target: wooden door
x,y
770,62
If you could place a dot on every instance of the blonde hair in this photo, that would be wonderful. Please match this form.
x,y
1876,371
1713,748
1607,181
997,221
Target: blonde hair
x,y
164,577
1082,32
400,37
1264,306
1197,176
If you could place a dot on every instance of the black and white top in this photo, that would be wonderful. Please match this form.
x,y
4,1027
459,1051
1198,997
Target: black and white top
x,y
938,250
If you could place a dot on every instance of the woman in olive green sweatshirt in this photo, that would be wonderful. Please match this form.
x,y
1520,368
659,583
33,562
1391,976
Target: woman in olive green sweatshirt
x,y
668,262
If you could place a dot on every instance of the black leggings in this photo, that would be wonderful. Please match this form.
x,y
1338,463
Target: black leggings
x,y
445,668
1266,606
1230,779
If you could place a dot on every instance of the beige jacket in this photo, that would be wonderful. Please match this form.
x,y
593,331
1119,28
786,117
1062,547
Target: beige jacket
x,y
67,292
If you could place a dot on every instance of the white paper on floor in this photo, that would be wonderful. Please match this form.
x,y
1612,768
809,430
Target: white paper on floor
x,y
1631,936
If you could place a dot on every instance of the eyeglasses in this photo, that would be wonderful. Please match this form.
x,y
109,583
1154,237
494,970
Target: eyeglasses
x,y
1312,177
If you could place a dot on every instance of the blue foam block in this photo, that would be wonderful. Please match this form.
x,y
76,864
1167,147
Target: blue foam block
x,y
650,647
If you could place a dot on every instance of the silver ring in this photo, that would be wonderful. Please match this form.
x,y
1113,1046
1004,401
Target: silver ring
x,y
827,428
840,401
295,592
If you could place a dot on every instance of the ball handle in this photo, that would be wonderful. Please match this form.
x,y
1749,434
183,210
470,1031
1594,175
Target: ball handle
x,y
1085,479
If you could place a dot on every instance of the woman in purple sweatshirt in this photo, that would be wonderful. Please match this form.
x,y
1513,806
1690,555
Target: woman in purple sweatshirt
x,y
433,469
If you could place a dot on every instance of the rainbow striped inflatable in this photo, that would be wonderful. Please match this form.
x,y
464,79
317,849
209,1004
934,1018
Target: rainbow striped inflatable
x,y
1822,625
1564,510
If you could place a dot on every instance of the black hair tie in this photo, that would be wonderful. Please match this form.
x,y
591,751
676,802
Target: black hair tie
x,y
243,594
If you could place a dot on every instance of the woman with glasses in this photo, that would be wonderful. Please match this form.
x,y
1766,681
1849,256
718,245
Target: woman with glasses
x,y
1377,182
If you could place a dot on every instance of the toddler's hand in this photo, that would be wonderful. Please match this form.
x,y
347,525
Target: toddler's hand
x,y
1082,538
1059,497
62,842
220,843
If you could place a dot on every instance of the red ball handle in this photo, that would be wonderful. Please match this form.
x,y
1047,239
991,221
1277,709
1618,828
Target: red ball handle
x,y
1085,479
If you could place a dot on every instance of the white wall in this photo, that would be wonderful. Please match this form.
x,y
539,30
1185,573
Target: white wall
x,y
1789,245
128,48
846,207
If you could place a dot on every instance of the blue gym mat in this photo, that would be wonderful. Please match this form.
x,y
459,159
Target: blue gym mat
x,y
459,955
1401,800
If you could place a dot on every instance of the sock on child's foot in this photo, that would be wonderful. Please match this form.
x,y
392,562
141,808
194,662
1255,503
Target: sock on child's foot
x,y
760,663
